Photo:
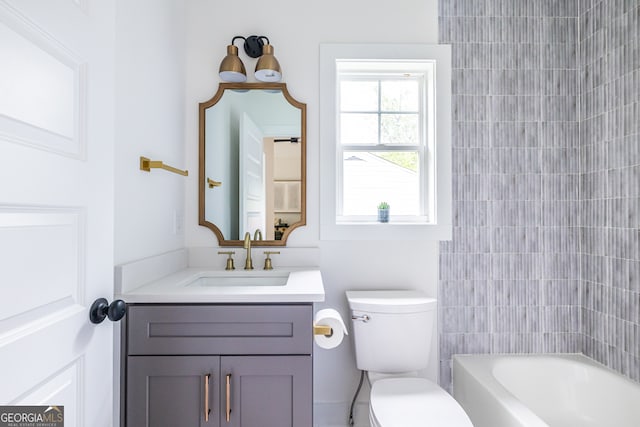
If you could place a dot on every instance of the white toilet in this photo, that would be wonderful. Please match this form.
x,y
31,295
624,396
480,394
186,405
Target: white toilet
x,y
392,333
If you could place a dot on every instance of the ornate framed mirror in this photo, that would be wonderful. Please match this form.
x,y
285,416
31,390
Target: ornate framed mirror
x,y
252,165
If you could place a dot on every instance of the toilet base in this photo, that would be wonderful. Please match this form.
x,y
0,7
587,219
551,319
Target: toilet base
x,y
414,402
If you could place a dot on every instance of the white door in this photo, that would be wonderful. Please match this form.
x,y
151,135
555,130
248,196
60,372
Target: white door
x,y
56,205
252,185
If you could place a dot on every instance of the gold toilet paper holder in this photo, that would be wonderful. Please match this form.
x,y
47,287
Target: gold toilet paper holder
x,y
325,330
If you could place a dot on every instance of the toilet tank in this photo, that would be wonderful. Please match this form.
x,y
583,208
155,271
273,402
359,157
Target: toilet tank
x,y
392,330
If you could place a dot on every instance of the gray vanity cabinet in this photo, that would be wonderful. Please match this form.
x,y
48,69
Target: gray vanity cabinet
x,y
245,365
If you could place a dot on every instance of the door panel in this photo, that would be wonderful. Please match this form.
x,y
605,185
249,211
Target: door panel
x,y
51,236
62,387
56,205
43,86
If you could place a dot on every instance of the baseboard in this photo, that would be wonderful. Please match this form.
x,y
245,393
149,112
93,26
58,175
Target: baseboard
x,y
336,414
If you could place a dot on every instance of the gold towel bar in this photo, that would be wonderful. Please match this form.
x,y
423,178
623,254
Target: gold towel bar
x,y
322,330
147,165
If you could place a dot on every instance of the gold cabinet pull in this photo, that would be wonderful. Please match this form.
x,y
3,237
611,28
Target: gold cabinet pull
x,y
228,397
207,410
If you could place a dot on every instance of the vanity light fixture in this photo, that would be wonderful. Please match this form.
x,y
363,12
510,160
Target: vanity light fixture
x,y
267,68
231,68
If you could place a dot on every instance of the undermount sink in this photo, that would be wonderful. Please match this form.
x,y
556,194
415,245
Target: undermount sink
x,y
238,279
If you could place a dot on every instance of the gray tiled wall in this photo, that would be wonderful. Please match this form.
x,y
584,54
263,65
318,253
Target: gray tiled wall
x,y
546,162
609,64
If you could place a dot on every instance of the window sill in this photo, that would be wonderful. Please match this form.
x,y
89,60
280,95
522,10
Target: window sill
x,y
393,219
385,231
384,224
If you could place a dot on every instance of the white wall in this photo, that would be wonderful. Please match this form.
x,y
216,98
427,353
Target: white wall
x,y
149,122
296,29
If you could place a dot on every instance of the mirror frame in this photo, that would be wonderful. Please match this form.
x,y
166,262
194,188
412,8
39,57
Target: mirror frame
x,y
222,87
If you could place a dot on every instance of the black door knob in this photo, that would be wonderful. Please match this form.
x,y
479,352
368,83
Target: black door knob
x,y
101,309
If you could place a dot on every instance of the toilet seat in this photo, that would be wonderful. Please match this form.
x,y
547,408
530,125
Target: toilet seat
x,y
413,402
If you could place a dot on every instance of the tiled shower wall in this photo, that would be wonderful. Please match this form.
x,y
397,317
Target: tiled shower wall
x,y
546,150
609,63
510,278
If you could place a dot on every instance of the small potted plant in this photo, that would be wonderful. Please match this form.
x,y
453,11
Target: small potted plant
x,y
383,212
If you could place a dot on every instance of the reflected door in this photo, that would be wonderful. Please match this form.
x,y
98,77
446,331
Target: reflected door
x,y
252,183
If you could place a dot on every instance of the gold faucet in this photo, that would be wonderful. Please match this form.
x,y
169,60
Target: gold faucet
x,y
248,265
257,235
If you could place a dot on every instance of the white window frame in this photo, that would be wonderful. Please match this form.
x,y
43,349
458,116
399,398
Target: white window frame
x,y
436,223
422,72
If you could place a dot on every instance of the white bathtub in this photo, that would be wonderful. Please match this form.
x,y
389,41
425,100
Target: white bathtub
x,y
560,390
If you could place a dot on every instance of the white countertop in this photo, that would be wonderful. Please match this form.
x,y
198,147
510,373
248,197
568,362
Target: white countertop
x,y
302,285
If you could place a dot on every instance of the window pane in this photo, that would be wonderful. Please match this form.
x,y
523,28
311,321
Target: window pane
x,y
370,178
359,95
405,159
358,128
400,129
400,95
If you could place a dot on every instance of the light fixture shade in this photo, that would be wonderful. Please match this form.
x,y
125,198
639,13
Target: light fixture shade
x,y
231,68
268,68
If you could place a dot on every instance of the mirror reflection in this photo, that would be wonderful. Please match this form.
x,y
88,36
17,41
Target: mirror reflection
x,y
252,163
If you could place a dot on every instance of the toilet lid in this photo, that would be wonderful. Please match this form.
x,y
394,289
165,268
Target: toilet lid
x,y
409,402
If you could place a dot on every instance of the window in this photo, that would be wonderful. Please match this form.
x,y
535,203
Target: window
x,y
385,120
382,133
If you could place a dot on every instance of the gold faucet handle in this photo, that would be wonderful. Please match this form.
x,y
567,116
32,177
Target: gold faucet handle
x,y
267,261
230,265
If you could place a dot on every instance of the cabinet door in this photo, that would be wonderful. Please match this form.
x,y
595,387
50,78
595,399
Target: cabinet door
x,y
267,391
169,391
